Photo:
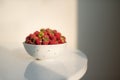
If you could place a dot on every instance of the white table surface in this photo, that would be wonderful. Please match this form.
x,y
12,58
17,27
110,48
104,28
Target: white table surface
x,y
18,65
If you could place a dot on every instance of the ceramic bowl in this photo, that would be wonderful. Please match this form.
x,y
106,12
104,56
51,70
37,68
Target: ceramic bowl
x,y
44,51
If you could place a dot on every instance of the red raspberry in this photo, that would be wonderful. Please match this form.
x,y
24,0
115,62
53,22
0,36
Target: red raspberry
x,y
38,41
36,33
53,42
45,41
51,36
45,32
58,35
28,37
45,36
35,38
29,42
48,30
60,41
32,36
54,31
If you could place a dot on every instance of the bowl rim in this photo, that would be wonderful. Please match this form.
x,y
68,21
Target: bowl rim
x,y
44,45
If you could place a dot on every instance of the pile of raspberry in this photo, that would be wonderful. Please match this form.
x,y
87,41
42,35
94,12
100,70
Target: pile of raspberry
x,y
45,37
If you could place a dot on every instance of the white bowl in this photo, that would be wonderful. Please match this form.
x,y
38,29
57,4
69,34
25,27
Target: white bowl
x,y
44,51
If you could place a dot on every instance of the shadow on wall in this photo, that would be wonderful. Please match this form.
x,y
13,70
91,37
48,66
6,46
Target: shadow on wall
x,y
99,38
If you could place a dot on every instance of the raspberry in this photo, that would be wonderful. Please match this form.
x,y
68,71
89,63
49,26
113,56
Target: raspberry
x,y
51,36
28,37
53,42
35,38
32,36
45,40
58,35
48,30
45,32
36,33
60,41
29,41
45,37
37,42
54,31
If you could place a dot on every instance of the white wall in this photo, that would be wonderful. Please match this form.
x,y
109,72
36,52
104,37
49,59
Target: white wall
x,y
99,38
18,18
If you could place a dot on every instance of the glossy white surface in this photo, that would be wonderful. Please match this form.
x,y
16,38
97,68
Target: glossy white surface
x,y
18,65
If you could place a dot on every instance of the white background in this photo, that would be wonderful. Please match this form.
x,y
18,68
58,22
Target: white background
x,y
18,18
